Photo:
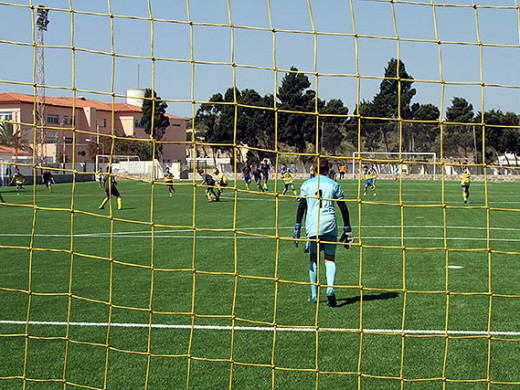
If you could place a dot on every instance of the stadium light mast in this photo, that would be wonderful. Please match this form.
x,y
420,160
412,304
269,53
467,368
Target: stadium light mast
x,y
41,24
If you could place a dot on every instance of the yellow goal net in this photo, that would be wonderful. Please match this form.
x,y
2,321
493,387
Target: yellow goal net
x,y
201,279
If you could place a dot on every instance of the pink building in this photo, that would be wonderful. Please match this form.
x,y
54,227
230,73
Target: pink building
x,y
92,120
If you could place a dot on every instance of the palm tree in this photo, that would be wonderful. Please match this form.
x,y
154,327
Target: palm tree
x,y
10,137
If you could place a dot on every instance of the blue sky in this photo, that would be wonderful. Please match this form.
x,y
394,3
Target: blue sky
x,y
91,69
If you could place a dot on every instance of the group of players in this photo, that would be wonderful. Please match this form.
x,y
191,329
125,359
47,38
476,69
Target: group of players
x,y
18,179
316,201
258,172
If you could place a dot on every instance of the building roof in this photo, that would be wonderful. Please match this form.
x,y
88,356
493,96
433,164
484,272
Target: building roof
x,y
8,150
79,102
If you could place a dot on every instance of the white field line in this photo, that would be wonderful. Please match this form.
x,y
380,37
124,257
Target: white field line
x,y
293,199
267,328
365,238
168,233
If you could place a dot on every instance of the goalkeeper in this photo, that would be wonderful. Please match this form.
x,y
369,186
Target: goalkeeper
x,y
317,199
111,190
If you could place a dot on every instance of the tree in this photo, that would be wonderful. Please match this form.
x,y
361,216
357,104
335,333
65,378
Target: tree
x,y
154,120
333,127
123,145
296,127
391,102
423,137
395,92
208,121
255,121
458,136
501,131
10,137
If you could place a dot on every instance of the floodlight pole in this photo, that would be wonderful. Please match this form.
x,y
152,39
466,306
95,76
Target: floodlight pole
x,y
41,23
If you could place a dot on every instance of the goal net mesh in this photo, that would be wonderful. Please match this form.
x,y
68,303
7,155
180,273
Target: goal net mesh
x,y
177,292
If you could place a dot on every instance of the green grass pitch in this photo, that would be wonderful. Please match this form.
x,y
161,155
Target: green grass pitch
x,y
428,298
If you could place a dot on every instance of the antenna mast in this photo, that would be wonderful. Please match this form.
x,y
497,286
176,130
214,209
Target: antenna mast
x,y
41,23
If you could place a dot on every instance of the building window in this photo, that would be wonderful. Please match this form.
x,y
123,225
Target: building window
x,y
137,123
69,140
101,122
67,120
6,116
51,139
175,124
53,119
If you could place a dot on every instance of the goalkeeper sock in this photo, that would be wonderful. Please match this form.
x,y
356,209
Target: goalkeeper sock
x,y
330,266
313,275
119,203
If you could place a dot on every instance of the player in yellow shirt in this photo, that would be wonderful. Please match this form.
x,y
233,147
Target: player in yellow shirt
x,y
221,181
369,177
465,181
342,170
312,172
99,177
287,178
168,179
18,180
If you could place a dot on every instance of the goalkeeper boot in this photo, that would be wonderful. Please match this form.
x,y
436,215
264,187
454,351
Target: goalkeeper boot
x,y
331,300
312,300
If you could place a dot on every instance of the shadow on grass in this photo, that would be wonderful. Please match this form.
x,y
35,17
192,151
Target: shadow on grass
x,y
367,298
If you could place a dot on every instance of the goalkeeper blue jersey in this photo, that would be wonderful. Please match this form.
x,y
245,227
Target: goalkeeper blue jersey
x,y
320,206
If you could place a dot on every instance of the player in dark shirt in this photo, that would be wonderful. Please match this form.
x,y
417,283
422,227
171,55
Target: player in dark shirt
x,y
111,190
246,175
265,167
48,180
258,175
210,183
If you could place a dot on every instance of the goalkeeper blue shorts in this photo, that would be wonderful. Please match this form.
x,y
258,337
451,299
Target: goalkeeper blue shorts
x,y
329,249
369,183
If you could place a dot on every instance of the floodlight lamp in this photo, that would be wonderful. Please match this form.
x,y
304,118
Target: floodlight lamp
x,y
42,20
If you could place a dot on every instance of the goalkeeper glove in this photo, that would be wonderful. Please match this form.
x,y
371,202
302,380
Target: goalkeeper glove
x,y
296,233
347,237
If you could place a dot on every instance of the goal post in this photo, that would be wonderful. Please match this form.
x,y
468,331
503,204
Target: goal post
x,y
407,163
129,165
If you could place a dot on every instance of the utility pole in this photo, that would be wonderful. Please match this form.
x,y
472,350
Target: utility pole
x,y
41,23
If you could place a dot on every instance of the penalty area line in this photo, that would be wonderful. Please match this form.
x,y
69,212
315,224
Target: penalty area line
x,y
267,328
